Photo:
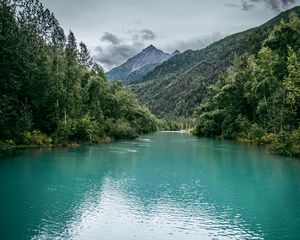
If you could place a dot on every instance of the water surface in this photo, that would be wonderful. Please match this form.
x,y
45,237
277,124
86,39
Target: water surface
x,y
161,186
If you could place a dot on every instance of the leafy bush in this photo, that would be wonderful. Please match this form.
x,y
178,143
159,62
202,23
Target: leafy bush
x,y
37,138
121,129
255,133
269,138
209,124
145,123
295,148
168,125
77,130
286,143
10,142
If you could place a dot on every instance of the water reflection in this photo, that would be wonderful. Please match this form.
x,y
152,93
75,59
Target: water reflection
x,y
117,214
162,186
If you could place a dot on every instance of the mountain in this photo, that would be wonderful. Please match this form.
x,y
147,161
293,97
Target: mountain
x,y
139,65
179,85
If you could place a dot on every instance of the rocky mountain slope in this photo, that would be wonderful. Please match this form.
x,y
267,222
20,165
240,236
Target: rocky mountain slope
x,y
139,65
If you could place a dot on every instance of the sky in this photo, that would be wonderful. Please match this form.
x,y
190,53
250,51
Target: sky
x,y
115,30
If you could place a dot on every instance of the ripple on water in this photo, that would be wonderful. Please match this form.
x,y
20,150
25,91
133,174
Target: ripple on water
x,y
172,187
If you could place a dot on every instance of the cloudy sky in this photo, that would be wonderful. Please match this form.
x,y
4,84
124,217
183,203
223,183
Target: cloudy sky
x,y
115,30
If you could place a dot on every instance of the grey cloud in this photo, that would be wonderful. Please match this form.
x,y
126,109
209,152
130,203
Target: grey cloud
x,y
195,43
173,21
117,52
232,5
144,34
147,34
111,38
276,4
243,5
247,5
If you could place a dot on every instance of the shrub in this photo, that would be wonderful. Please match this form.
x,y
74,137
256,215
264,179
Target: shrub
x,y
286,143
122,129
10,142
255,133
79,130
295,148
269,138
37,138
209,124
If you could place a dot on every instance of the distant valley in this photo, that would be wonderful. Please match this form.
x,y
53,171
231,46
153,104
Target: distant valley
x,y
176,86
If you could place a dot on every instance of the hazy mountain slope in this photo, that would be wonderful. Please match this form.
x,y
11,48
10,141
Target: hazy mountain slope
x,y
178,85
139,65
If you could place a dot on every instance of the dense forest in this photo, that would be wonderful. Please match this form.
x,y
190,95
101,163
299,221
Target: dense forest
x,y
179,85
258,100
51,91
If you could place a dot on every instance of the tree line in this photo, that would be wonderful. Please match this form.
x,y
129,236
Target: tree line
x,y
258,100
51,91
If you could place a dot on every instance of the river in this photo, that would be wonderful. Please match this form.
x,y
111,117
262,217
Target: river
x,y
161,186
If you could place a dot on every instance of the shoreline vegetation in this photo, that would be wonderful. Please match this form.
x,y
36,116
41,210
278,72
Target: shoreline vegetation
x,y
52,94
11,147
258,99
6,149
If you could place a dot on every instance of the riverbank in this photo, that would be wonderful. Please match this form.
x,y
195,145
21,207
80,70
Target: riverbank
x,y
282,144
10,147
189,131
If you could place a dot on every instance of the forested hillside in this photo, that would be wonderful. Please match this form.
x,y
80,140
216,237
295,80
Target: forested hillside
x,y
258,100
179,85
51,91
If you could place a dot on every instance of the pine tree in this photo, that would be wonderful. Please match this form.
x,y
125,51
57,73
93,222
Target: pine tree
x,y
71,82
84,56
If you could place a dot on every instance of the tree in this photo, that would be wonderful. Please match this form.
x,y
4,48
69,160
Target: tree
x,y
84,56
71,84
259,98
49,88
291,85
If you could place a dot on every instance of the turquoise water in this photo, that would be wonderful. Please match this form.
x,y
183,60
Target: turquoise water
x,y
161,186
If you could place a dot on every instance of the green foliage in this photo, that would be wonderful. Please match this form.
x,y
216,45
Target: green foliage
x,y
122,129
166,124
24,123
260,95
10,142
49,85
209,124
36,138
180,84
286,143
254,133
77,130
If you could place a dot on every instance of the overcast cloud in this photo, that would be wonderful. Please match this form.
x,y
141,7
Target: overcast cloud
x,y
119,50
115,30
276,5
144,34
194,42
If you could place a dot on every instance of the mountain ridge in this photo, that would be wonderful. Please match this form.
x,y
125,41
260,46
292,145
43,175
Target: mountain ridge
x,y
139,65
180,84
